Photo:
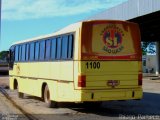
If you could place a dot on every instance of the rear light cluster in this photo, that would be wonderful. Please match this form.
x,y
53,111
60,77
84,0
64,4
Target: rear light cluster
x,y
140,76
81,81
140,79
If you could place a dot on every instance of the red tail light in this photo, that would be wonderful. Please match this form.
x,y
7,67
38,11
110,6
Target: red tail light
x,y
140,79
82,81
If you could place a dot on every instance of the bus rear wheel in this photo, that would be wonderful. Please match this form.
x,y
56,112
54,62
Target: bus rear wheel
x,y
20,94
47,100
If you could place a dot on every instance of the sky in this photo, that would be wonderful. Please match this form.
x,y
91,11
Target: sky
x,y
24,19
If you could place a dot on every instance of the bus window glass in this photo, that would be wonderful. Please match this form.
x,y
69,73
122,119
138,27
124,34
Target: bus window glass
x,y
64,47
27,52
42,50
110,41
20,52
12,54
58,48
48,49
53,49
23,52
37,51
31,55
17,53
12,58
70,47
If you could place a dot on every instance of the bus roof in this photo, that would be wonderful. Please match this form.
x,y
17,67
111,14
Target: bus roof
x,y
70,28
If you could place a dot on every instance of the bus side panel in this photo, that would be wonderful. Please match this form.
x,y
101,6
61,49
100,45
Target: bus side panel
x,y
65,81
11,83
76,73
66,70
31,76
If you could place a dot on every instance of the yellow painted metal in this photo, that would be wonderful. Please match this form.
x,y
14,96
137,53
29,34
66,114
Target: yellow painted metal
x,y
62,78
96,81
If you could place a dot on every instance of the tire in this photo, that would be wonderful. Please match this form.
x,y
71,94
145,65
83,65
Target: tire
x,y
20,94
47,100
15,85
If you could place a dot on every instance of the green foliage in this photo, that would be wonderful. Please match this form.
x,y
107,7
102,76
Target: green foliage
x,y
148,47
3,55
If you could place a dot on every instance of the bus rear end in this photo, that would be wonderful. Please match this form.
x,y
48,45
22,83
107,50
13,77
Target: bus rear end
x,y
109,66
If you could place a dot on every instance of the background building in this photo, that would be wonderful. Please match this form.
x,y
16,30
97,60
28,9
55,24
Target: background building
x,y
147,14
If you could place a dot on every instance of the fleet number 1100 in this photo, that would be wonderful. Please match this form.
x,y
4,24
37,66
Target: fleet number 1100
x,y
93,65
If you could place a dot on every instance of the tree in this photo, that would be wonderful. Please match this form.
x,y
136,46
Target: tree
x,y
148,47
3,55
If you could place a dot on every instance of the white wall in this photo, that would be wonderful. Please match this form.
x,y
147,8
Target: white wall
x,y
150,65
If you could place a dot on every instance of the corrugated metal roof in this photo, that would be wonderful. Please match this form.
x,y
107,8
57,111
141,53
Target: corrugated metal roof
x,y
129,10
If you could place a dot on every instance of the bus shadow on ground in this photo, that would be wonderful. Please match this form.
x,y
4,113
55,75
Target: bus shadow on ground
x,y
32,97
149,105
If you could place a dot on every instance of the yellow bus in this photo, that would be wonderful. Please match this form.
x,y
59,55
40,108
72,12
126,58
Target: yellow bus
x,y
89,61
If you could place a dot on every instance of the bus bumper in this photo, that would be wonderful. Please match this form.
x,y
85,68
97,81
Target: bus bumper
x,y
106,95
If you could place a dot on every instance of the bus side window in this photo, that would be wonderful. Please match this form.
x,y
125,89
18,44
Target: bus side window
x,y
12,54
23,52
16,53
53,48
70,47
64,46
20,52
42,50
27,52
37,51
48,49
12,57
31,53
59,41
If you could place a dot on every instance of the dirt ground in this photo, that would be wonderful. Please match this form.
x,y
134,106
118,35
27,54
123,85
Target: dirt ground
x,y
4,81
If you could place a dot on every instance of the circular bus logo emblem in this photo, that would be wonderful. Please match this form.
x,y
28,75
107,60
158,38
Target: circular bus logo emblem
x,y
112,37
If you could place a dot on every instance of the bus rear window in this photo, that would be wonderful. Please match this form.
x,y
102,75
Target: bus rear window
x,y
111,41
